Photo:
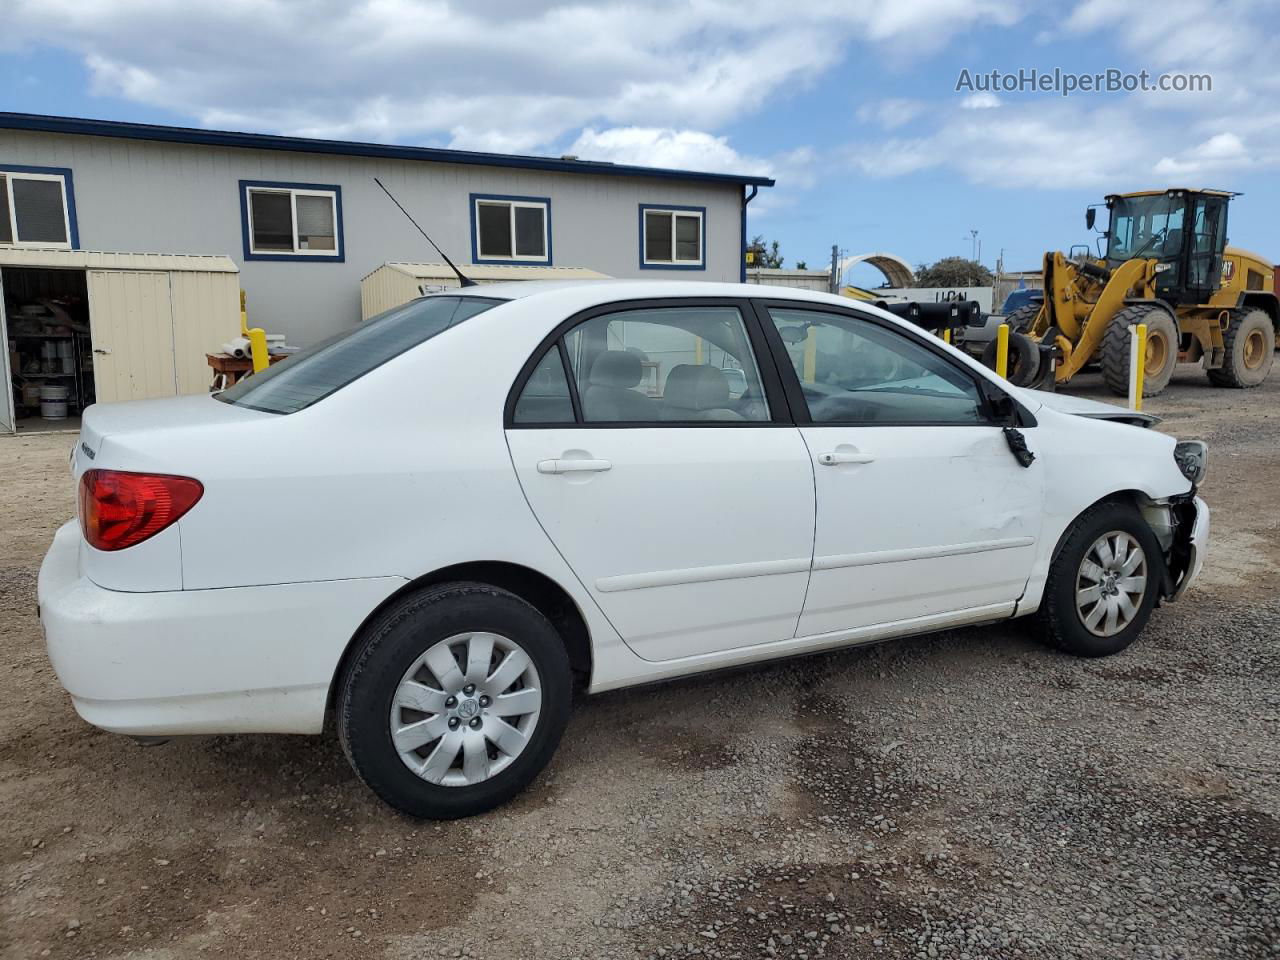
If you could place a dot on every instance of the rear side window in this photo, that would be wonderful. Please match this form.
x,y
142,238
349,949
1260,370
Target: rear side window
x,y
330,365
545,398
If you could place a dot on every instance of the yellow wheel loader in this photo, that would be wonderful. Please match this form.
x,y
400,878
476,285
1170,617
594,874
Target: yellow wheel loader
x,y
1166,265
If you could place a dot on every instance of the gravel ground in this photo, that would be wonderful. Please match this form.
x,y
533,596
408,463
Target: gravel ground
x,y
966,794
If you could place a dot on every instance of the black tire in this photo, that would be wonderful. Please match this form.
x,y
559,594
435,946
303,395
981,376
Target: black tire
x,y
1250,342
1060,621
1024,359
388,648
1117,343
1020,320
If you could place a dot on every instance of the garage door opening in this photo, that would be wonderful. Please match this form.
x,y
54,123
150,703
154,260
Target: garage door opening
x,y
50,348
81,327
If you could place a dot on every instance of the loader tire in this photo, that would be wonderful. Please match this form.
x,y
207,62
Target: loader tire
x,y
1162,349
1020,320
1249,344
1024,359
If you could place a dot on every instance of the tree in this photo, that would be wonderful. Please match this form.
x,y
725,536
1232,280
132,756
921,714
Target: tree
x,y
801,265
769,257
953,272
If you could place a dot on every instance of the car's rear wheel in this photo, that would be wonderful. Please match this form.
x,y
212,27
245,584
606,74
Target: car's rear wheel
x,y
454,700
1103,583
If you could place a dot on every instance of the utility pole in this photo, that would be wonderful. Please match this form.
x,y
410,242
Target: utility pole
x,y
834,284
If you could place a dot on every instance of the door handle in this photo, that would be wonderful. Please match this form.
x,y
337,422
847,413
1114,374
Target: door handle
x,y
574,466
834,459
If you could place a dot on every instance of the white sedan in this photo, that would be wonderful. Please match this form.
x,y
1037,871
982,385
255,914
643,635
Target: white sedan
x,y
437,526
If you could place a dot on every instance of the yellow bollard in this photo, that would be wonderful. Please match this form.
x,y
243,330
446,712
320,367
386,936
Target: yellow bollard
x,y
1002,350
1137,364
946,335
258,349
257,339
810,373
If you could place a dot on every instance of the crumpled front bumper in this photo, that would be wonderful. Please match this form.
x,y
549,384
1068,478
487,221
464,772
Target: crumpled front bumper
x,y
1191,540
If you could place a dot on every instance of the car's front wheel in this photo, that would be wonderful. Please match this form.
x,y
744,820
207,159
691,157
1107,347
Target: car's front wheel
x,y
1103,583
454,700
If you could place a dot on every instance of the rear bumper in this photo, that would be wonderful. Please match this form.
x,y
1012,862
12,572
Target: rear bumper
x,y
235,660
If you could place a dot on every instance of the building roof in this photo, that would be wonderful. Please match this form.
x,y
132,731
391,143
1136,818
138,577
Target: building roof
x,y
490,274
262,141
99,260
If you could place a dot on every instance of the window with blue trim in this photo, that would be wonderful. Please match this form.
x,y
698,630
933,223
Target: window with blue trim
x,y
672,237
37,208
510,229
291,221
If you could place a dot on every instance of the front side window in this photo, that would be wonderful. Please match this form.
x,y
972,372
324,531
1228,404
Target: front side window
x,y
1145,227
672,237
35,209
292,221
330,365
852,371
666,365
511,229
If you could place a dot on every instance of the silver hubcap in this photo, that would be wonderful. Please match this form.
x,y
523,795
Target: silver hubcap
x,y
466,709
1111,583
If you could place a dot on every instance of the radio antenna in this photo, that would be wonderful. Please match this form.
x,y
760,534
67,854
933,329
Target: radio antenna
x,y
463,280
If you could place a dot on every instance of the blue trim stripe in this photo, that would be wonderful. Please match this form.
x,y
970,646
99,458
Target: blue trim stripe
x,y
475,231
260,141
702,239
65,173
340,253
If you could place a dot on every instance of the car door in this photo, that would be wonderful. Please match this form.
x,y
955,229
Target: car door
x,y
654,451
923,511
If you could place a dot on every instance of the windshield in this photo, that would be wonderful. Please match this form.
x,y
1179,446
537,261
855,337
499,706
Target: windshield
x,y
1148,227
328,366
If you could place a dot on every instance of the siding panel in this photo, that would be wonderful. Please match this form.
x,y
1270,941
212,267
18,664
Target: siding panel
x,y
180,198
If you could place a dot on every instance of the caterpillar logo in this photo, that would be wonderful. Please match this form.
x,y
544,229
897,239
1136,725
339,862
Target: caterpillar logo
x,y
1228,271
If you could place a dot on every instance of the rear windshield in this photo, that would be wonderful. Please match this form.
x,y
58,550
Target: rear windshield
x,y
328,366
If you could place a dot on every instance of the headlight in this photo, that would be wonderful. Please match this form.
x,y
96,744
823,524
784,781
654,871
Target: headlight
x,y
1191,456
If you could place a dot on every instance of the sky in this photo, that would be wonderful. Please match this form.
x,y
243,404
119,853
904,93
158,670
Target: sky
x,y
854,108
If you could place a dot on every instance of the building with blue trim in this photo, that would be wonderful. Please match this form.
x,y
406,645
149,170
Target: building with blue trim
x,y
305,221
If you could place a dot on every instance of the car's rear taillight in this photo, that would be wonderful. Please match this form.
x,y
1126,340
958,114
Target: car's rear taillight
x,y
119,508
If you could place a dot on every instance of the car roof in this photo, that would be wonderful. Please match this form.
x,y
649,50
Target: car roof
x,y
587,293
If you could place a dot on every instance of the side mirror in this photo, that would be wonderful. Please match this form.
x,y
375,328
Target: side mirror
x,y
1090,217
793,335
1003,408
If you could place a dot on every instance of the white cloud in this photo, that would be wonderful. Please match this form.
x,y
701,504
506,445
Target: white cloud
x,y
664,147
1110,141
1224,151
983,100
501,74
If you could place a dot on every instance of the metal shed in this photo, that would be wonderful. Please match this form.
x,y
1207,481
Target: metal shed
x,y
127,326
395,283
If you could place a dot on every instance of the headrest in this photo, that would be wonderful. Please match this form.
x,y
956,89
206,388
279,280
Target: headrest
x,y
616,368
696,387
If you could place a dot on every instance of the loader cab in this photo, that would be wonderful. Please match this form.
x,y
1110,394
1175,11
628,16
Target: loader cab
x,y
1184,230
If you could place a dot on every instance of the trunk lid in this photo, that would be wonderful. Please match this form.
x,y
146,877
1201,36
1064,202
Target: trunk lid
x,y
110,432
